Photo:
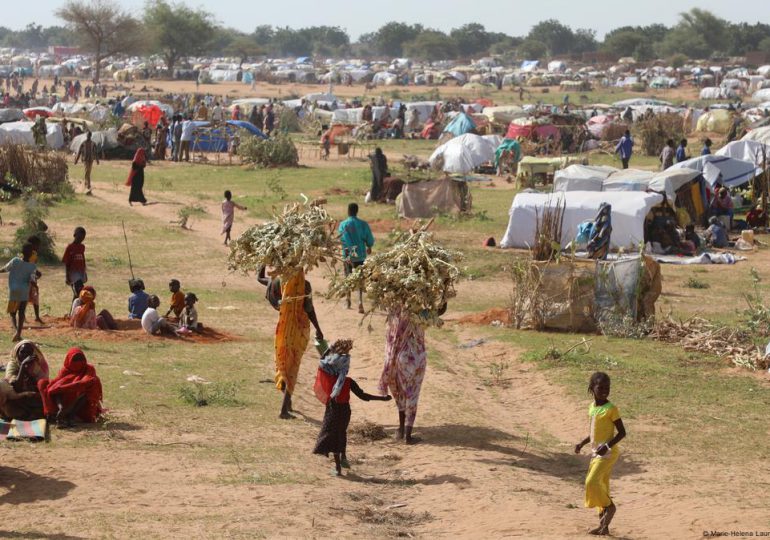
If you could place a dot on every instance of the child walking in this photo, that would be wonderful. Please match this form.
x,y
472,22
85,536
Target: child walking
x,y
332,388
74,260
34,290
604,422
228,214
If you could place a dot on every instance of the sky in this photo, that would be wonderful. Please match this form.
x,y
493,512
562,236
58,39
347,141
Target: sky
x,y
513,17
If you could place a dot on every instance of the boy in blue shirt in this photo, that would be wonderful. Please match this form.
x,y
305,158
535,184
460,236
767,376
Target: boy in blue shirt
x,y
137,302
19,270
625,148
357,242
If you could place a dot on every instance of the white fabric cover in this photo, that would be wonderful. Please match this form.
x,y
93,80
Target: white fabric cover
x,y
581,178
464,153
628,213
747,150
760,135
21,133
733,172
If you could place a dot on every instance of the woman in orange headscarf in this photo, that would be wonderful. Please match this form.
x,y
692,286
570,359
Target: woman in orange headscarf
x,y
84,315
136,178
76,392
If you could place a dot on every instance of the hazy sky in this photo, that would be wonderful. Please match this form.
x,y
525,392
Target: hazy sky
x,y
514,17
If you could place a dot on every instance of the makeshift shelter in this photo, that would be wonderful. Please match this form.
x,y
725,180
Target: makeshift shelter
x,y
21,133
216,139
427,198
505,114
11,115
747,150
527,128
606,127
463,154
107,145
460,125
629,211
581,178
726,171
716,121
146,113
761,134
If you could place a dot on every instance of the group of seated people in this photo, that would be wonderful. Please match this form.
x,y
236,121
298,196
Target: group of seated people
x,y
27,392
181,317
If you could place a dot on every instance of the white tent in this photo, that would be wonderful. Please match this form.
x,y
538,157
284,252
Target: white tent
x,y
21,133
628,213
628,180
760,135
761,95
747,150
727,171
464,153
384,78
581,178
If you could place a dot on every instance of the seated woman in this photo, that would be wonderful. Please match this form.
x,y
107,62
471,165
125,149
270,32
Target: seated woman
x,y
756,218
19,396
84,312
76,392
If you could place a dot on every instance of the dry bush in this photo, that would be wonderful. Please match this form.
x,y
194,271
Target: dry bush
x,y
651,133
34,170
548,226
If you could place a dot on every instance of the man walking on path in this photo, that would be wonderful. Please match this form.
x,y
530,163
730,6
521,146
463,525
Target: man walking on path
x,y
625,148
357,242
89,153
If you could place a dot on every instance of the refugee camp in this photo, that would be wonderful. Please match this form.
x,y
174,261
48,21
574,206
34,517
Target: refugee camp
x,y
404,270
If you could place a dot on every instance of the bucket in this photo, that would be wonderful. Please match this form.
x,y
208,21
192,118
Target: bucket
x,y
748,236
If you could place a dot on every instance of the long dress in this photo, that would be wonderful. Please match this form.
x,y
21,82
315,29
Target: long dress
x,y
405,363
136,177
602,429
292,333
379,166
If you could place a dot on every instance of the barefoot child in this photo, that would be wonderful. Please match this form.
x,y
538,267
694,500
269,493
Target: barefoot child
x,y
34,290
228,214
604,421
74,260
189,318
20,271
332,388
177,299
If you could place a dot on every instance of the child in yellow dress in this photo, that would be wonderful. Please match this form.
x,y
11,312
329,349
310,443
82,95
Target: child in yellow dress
x,y
604,422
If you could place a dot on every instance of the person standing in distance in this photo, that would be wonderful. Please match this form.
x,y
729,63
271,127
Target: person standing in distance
x,y
357,241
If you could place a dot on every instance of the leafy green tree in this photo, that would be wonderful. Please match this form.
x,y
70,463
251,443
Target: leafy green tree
x,y
244,47
390,38
532,49
686,41
584,40
711,28
263,35
557,37
622,41
289,42
744,37
177,31
470,39
431,45
102,27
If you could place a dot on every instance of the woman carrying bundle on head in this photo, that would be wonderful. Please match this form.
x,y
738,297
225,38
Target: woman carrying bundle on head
x,y
332,388
76,392
293,299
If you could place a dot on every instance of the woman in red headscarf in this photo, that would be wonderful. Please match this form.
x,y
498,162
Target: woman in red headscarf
x,y
136,178
76,392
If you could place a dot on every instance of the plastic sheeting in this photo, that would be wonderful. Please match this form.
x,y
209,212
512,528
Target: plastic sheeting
x,y
425,199
21,133
464,153
717,121
760,135
581,178
746,150
729,172
460,125
628,213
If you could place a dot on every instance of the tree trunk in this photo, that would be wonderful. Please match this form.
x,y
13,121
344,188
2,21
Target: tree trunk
x,y
170,62
97,68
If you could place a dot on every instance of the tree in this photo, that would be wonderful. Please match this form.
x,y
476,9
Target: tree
x,y
557,38
584,40
623,41
745,37
102,27
289,42
686,41
263,35
177,30
243,47
471,39
390,38
711,28
532,49
431,45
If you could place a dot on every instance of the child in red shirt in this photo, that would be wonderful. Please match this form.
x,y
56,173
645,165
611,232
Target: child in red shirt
x,y
74,260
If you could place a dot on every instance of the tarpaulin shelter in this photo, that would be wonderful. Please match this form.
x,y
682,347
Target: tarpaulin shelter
x,y
210,139
460,125
528,130
629,210
726,171
462,154
427,198
761,134
717,121
33,112
146,113
21,133
581,178
747,150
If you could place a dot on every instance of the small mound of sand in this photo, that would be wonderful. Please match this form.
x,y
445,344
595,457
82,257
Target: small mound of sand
x,y
367,431
488,317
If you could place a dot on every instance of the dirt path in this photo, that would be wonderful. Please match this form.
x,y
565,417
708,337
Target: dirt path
x,y
495,461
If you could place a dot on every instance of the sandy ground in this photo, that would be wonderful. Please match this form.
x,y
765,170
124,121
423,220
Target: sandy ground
x,y
475,475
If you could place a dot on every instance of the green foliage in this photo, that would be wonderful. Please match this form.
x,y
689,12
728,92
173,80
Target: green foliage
x,y
695,283
756,315
186,213
201,395
35,210
176,31
277,151
431,45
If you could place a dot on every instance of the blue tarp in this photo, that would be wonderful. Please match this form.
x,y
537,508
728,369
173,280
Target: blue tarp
x,y
216,141
460,125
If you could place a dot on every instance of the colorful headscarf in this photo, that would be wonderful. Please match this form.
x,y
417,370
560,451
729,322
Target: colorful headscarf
x,y
140,159
86,305
336,365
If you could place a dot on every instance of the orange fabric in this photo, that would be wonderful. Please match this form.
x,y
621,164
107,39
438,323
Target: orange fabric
x,y
177,303
292,333
86,305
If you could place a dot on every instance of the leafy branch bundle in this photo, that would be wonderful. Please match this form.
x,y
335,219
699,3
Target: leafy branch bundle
x,y
415,275
302,237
